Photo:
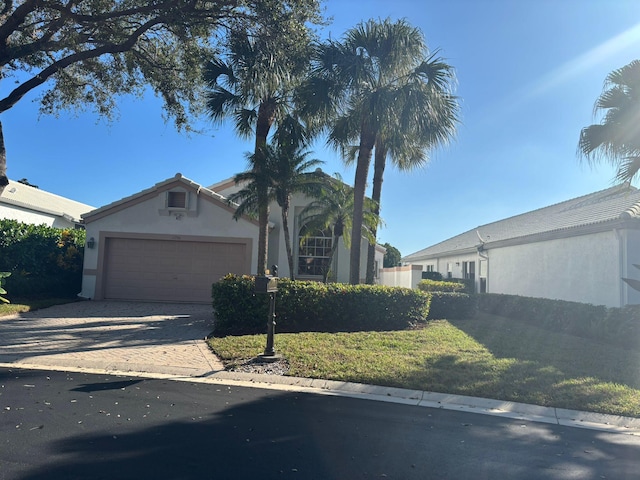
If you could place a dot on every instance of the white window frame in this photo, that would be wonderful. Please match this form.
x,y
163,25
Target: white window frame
x,y
310,250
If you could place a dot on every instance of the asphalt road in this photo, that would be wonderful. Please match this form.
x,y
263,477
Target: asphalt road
x,y
56,425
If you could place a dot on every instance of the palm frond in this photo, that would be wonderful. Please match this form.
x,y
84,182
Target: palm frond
x,y
216,68
245,119
616,138
219,101
437,73
628,169
246,203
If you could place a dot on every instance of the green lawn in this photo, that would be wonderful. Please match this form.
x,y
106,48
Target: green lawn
x,y
20,305
487,357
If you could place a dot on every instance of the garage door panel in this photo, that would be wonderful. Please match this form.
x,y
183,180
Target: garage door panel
x,y
168,270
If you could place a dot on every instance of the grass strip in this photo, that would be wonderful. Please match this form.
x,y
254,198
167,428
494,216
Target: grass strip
x,y
488,357
21,305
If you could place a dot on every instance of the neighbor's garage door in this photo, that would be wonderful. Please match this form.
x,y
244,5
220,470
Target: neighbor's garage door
x,y
168,270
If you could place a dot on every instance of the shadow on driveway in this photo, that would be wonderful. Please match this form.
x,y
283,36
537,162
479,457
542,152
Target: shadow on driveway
x,y
111,335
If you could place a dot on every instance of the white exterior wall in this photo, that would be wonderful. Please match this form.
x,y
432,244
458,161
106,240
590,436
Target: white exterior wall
x,y
379,261
144,219
630,257
581,269
24,215
277,251
407,276
455,263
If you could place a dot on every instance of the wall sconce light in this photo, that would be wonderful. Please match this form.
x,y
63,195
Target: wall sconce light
x,y
457,264
91,242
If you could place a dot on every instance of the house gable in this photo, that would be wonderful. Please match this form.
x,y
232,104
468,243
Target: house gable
x,y
164,192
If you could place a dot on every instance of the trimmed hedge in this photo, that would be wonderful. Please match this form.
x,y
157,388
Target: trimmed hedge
x,y
440,286
432,276
42,260
451,305
617,326
315,307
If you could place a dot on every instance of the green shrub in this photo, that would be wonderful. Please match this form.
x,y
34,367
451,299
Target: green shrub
x,y
623,326
469,284
432,276
3,275
618,326
439,286
312,306
451,305
42,260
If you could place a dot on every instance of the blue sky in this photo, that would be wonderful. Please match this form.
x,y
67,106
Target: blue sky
x,y
528,74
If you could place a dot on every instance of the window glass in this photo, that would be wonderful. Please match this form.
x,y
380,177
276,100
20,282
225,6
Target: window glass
x,y
313,257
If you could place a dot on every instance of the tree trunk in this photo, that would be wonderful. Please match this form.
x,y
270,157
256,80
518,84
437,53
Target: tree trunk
x,y
4,180
378,172
367,142
334,247
266,116
287,239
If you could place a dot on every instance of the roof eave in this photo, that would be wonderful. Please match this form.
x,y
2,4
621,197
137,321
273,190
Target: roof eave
x,y
608,225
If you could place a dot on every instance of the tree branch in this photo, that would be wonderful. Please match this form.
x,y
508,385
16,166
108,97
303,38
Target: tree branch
x,y
99,18
16,94
8,5
15,19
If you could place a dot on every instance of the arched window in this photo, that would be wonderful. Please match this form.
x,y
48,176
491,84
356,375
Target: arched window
x,y
314,253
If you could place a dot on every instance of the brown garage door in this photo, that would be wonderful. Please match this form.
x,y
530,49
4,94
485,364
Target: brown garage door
x,y
168,270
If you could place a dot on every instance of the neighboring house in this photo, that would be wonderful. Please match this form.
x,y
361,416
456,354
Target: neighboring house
x,y
580,250
172,241
28,204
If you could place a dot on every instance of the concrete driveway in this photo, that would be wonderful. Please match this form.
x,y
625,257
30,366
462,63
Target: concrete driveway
x,y
112,336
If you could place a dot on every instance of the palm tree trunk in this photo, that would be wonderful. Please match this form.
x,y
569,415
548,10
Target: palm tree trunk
x,y
4,180
367,142
379,164
287,239
334,247
266,115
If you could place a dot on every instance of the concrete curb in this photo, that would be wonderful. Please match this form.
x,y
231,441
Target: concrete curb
x,y
483,406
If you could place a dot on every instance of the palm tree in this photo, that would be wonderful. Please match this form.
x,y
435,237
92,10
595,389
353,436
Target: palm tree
x,y
360,85
333,211
426,117
254,86
616,138
287,173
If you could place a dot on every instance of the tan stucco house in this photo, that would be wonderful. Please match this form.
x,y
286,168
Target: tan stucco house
x,y
586,249
170,242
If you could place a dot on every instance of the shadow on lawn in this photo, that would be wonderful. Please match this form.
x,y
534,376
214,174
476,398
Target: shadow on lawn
x,y
527,364
511,361
571,356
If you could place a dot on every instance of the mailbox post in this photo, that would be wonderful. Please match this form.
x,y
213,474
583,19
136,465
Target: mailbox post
x,y
268,284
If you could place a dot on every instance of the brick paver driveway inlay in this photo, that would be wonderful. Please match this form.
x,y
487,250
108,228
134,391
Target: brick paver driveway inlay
x,y
112,336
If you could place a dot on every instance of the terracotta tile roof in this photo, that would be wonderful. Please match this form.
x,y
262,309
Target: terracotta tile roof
x,y
618,203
